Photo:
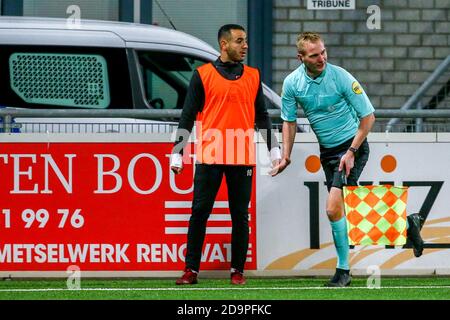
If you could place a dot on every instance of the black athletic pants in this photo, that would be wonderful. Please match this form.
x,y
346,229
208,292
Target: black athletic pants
x,y
207,181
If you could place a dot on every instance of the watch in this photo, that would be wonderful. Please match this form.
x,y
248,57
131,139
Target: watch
x,y
354,150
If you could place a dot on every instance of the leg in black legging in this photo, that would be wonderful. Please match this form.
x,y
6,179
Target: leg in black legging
x,y
207,182
239,184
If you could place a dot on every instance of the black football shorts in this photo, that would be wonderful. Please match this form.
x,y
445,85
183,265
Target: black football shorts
x,y
331,157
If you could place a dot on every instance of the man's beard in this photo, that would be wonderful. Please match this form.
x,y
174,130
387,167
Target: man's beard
x,y
235,57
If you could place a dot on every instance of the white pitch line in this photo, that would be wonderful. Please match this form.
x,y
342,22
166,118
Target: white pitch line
x,y
220,289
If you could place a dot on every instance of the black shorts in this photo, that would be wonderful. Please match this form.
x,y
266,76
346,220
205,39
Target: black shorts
x,y
331,157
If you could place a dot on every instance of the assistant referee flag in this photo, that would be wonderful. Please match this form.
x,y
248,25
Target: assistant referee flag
x,y
376,215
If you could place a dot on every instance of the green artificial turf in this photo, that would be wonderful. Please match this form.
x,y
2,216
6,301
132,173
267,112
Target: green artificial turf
x,y
436,288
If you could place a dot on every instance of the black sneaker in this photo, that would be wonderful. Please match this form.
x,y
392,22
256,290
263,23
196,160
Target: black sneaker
x,y
413,233
340,279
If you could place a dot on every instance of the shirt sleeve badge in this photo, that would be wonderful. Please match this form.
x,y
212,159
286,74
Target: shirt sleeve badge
x,y
356,87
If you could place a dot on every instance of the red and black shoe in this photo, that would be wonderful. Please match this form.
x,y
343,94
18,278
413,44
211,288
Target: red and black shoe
x,y
237,278
189,277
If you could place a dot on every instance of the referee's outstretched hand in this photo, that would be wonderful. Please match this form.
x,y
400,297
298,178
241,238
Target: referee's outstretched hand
x,y
280,167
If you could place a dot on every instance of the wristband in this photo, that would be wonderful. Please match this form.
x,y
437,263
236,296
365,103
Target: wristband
x,y
354,150
176,160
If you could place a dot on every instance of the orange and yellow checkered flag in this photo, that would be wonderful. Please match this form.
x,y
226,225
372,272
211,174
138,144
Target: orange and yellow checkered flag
x,y
376,215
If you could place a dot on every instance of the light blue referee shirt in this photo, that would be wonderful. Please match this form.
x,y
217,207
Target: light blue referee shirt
x,y
333,103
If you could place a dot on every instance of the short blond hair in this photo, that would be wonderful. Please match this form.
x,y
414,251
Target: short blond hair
x,y
307,37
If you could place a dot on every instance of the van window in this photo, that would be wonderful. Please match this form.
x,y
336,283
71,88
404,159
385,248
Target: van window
x,y
64,77
166,77
71,80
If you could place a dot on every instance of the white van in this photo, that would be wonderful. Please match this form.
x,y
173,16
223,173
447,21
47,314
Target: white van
x,y
52,63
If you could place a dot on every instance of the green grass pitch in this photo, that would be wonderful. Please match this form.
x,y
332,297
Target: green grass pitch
x,y
430,288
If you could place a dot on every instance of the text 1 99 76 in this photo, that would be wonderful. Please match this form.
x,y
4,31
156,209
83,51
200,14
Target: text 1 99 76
x,y
39,218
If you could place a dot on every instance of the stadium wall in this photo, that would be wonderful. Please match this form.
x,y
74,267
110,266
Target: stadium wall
x,y
390,62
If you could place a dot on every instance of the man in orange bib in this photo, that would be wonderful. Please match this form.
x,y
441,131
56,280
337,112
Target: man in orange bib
x,y
225,98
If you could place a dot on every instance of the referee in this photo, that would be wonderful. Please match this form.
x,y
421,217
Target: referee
x,y
341,115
